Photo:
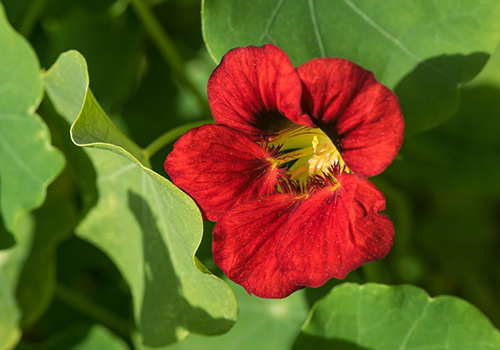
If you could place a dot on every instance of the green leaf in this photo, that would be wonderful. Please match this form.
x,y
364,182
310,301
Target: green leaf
x,y
146,225
423,50
376,316
67,86
29,162
262,324
11,264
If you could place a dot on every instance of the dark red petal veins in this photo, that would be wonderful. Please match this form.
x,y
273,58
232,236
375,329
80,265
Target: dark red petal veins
x,y
256,90
335,232
361,116
244,245
220,168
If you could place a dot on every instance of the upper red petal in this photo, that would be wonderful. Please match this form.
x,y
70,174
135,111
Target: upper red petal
x,y
361,116
220,168
256,90
335,231
244,245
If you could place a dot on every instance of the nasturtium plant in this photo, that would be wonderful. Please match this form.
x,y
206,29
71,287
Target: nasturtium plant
x,y
424,50
280,121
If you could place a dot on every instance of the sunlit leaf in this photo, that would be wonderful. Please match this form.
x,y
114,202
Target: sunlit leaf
x,y
423,50
28,161
146,225
401,317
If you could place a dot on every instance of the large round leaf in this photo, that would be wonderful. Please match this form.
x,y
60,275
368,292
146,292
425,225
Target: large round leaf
x,y
375,316
424,49
28,160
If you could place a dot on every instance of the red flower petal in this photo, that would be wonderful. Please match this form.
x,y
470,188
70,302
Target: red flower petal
x,y
220,168
244,245
360,115
334,232
255,90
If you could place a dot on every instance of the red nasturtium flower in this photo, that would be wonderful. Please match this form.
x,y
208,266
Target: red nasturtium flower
x,y
283,172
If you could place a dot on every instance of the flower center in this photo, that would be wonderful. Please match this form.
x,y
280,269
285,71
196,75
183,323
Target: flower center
x,y
306,153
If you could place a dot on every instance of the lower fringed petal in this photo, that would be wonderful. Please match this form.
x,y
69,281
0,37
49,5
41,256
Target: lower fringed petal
x,y
220,168
244,245
335,231
360,115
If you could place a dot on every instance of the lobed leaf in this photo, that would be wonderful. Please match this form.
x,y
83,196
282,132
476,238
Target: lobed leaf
x,y
376,316
423,50
146,225
28,160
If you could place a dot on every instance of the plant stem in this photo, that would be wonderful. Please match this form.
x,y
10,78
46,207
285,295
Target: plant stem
x,y
87,307
30,16
167,49
172,135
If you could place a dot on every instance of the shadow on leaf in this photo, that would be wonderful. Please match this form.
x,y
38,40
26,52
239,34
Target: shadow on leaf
x,y
428,102
162,322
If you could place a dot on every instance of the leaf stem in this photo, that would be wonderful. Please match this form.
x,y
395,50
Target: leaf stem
x,y
167,49
30,17
172,135
87,307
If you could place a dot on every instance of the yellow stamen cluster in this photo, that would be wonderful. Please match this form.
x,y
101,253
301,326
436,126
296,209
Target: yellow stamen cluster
x,y
305,153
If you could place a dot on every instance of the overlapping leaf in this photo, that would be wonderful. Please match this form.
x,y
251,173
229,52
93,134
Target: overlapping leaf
x,y
423,50
28,161
147,226
401,317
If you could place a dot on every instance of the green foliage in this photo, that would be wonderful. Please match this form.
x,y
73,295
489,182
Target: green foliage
x,y
423,50
27,156
147,226
374,316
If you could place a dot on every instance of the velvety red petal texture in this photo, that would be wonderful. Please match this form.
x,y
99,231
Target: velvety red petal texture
x,y
360,115
256,90
220,168
334,232
244,245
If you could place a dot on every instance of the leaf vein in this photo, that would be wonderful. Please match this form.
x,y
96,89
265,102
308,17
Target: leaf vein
x,y
271,21
397,42
317,33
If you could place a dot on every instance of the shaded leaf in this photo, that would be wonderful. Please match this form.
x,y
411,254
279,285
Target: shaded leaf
x,y
423,50
375,316
146,225
28,161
